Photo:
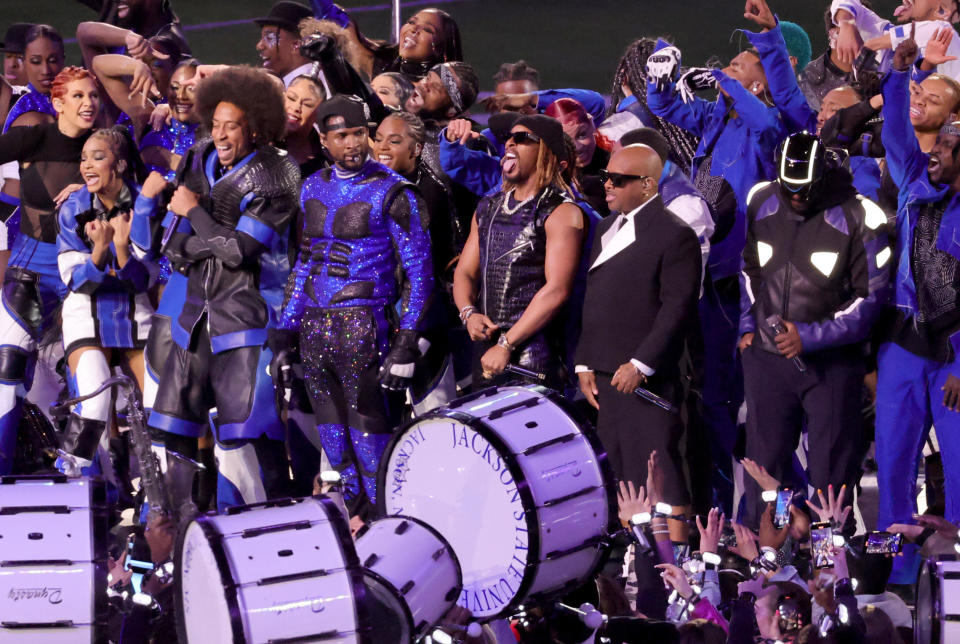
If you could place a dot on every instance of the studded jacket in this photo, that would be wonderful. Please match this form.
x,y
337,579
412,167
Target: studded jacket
x,y
359,231
236,259
827,271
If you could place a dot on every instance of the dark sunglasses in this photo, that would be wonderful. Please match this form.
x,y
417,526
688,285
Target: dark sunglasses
x,y
617,179
522,138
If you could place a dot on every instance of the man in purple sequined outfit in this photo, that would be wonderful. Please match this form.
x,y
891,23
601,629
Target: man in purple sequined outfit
x,y
352,321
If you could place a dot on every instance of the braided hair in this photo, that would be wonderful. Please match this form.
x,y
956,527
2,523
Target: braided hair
x,y
632,72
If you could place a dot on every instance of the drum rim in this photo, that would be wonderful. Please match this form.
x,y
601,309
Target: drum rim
x,y
439,537
209,531
99,529
348,551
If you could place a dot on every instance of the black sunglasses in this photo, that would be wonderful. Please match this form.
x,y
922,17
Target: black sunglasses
x,y
522,137
617,179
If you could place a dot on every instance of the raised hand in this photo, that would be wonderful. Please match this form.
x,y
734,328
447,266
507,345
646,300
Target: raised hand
x,y
694,80
758,12
662,67
935,52
831,507
760,474
631,500
655,479
710,535
906,52
675,578
848,42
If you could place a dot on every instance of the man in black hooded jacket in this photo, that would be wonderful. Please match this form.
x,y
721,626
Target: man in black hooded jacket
x,y
815,275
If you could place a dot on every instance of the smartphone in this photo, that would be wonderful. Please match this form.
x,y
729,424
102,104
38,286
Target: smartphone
x,y
884,543
821,540
781,513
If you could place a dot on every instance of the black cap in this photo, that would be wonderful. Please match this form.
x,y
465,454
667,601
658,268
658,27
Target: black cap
x,y
501,123
549,130
286,15
14,42
354,111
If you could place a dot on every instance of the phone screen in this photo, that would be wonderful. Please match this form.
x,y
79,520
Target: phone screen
x,y
781,513
884,543
821,540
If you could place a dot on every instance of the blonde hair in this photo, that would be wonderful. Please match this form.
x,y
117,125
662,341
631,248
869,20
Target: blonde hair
x,y
548,171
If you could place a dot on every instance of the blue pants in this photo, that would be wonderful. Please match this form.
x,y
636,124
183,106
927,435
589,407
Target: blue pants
x,y
722,380
909,401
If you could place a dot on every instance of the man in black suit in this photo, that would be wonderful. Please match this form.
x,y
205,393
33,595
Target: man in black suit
x,y
642,289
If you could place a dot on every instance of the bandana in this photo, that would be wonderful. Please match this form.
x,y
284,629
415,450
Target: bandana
x,y
449,81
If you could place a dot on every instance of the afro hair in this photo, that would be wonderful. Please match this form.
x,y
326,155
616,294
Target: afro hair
x,y
254,92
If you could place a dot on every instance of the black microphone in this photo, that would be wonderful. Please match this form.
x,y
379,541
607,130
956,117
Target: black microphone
x,y
779,328
175,221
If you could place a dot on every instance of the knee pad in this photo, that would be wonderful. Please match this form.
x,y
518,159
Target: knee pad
x,y
14,364
93,371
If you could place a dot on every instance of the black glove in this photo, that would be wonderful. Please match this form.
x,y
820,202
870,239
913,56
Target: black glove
x,y
855,129
397,368
319,48
285,345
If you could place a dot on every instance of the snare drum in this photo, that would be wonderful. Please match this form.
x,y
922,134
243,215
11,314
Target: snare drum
x,y
519,488
410,567
937,618
275,571
53,559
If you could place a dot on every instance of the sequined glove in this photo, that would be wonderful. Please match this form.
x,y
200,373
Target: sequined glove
x,y
694,80
398,367
662,66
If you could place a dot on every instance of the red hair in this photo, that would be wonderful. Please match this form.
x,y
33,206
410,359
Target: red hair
x,y
566,110
66,76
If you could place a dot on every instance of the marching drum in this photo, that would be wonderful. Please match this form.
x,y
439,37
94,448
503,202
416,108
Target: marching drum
x,y
521,491
410,569
282,570
53,559
937,617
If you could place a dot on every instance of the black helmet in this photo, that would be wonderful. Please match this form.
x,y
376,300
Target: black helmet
x,y
802,165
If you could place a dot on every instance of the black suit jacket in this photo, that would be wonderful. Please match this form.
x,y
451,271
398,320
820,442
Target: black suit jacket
x,y
640,301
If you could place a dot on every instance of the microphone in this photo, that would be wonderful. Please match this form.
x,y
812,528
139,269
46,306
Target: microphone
x,y
775,322
520,371
659,401
175,221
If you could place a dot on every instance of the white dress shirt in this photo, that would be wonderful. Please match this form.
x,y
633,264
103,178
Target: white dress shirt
x,y
624,221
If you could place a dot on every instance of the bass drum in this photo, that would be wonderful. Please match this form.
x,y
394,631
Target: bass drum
x,y
412,571
518,486
282,570
53,566
937,616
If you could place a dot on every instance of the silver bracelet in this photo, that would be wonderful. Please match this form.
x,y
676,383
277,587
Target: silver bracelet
x,y
466,312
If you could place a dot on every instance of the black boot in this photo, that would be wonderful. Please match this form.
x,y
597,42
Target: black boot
x,y
80,440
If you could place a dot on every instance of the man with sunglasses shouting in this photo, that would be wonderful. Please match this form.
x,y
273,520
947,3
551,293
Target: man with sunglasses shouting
x,y
642,290
518,266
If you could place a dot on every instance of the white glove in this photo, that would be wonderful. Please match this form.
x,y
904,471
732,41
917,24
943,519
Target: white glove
x,y
662,66
694,80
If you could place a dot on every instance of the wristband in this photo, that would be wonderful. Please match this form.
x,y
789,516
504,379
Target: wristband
x,y
466,312
711,559
769,496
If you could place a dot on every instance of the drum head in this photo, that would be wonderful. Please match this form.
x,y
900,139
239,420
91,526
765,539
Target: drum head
x,y
202,608
388,615
453,477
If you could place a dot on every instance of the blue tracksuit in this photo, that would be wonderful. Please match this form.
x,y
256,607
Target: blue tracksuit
x,y
909,395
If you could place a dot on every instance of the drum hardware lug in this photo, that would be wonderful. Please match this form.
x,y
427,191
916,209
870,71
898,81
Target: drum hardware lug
x,y
36,562
439,553
370,561
11,479
316,637
572,495
280,527
272,503
20,509
35,536
523,404
401,527
469,398
407,587
63,623
533,449
284,553
589,543
266,581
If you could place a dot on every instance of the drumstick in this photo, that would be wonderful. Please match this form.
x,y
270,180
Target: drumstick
x,y
520,371
649,396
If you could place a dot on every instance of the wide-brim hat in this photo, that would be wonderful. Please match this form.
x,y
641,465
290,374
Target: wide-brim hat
x,y
286,15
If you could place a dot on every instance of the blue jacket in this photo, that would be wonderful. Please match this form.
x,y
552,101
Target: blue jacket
x,y
743,146
908,168
796,113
